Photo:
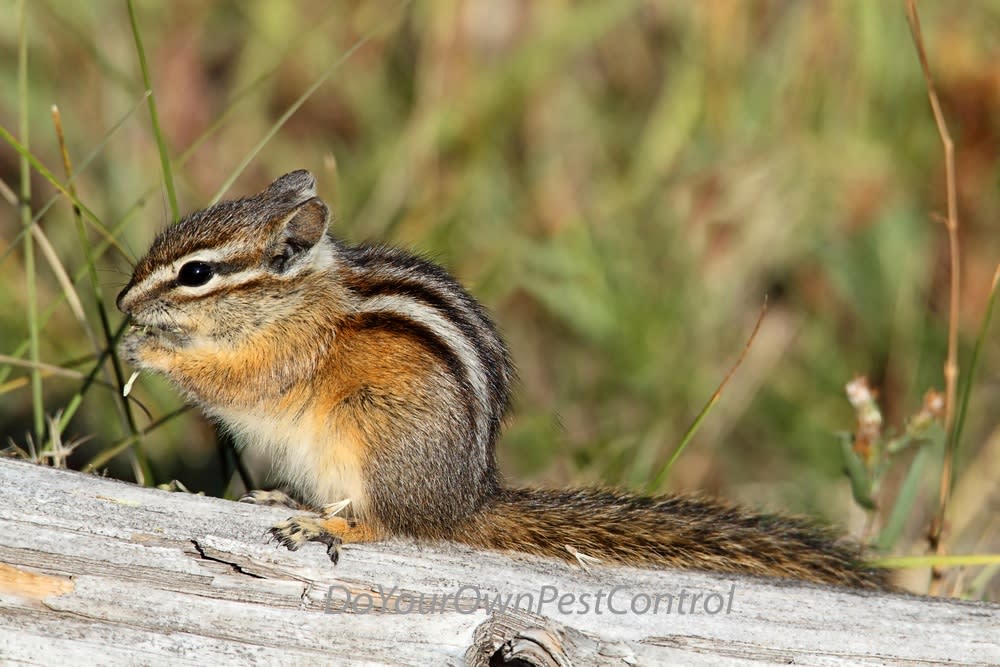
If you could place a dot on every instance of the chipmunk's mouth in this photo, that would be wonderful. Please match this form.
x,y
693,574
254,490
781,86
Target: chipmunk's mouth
x,y
137,327
168,334
144,344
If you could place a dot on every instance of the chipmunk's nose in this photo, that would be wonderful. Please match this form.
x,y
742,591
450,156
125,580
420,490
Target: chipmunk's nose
x,y
120,301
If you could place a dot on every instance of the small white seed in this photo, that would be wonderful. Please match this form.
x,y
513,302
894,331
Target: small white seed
x,y
128,385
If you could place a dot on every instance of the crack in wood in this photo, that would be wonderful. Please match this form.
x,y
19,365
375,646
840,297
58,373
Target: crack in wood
x,y
236,567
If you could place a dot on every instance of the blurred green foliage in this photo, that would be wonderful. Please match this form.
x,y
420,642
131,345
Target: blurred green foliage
x,y
621,183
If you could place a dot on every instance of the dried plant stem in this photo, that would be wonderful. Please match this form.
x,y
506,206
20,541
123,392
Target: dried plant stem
x,y
951,362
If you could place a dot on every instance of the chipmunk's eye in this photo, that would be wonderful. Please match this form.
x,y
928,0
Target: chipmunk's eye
x,y
195,274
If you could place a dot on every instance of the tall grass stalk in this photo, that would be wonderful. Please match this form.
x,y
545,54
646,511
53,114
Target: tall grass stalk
x,y
154,118
37,402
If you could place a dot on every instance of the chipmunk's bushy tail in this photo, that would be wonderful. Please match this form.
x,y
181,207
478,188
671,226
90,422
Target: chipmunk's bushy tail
x,y
686,532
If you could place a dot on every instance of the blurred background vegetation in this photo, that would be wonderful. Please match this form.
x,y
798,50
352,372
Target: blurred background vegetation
x,y
620,182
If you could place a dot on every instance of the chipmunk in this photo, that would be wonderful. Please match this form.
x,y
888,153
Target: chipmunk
x,y
370,376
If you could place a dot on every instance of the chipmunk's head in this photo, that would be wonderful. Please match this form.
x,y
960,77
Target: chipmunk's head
x,y
215,276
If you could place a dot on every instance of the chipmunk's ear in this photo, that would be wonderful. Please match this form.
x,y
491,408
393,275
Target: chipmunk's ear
x,y
298,233
296,186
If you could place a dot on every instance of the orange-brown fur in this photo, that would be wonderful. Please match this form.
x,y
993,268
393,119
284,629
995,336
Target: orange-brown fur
x,y
369,374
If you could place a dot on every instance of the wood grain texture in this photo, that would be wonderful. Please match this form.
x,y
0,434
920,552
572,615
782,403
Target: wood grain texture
x,y
97,570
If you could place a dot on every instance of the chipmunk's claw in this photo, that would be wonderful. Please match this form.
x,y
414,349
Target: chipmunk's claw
x,y
289,544
332,543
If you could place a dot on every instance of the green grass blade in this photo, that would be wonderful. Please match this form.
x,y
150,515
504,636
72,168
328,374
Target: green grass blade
x,y
963,405
140,466
301,99
168,176
37,402
81,168
905,499
42,170
117,448
661,476
901,562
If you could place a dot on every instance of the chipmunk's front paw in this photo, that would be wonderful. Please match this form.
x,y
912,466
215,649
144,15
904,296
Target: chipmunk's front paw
x,y
298,530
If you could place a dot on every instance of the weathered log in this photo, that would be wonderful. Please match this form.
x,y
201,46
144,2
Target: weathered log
x,y
95,570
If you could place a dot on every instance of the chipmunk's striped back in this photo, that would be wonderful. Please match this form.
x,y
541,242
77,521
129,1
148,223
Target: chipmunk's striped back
x,y
416,295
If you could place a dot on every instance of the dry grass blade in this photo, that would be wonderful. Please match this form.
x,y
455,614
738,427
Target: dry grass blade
x,y
51,369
